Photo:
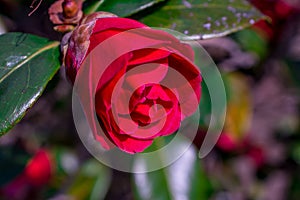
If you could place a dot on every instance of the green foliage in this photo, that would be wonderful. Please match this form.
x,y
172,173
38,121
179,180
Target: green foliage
x,y
27,64
201,19
198,19
119,7
92,182
184,179
253,42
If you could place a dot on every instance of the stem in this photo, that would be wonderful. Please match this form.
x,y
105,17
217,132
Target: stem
x,y
31,6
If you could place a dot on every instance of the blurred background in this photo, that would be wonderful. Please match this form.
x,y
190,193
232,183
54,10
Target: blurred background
x,y
256,157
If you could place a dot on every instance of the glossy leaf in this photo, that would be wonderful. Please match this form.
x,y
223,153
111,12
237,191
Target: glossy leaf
x,y
27,64
119,7
184,179
204,19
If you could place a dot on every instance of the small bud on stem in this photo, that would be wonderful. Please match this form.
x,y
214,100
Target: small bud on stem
x,y
70,8
65,14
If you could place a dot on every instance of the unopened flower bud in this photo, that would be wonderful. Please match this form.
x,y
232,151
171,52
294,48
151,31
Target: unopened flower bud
x,y
65,14
70,8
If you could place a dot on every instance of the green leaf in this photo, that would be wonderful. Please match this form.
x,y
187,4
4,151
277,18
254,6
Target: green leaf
x,y
184,179
204,106
204,19
92,182
119,7
27,64
253,41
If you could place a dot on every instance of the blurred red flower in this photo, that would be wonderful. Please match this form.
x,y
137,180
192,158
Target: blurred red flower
x,y
36,174
278,10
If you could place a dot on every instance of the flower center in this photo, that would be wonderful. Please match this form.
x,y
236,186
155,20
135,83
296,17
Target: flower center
x,y
149,104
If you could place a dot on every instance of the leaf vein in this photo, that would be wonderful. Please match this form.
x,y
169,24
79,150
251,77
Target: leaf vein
x,y
52,45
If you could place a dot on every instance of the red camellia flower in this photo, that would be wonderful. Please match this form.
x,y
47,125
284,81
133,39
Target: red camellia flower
x,y
39,169
138,96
